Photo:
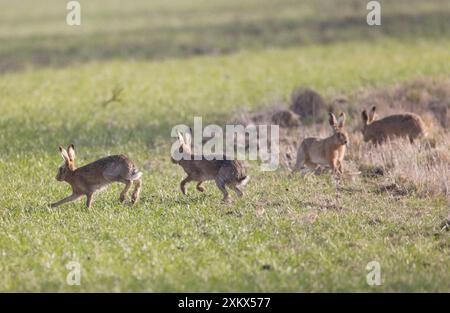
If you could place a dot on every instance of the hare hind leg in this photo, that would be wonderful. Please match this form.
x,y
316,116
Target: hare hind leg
x,y
300,163
309,167
221,185
137,190
200,187
123,194
303,164
236,189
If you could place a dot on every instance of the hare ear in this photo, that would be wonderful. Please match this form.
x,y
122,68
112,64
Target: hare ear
x,y
341,120
187,138
372,113
364,116
64,154
180,137
332,119
71,152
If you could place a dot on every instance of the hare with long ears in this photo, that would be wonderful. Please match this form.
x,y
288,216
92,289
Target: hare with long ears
x,y
407,125
316,152
86,180
226,173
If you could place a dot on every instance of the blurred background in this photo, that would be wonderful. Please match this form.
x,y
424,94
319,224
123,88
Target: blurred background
x,y
35,34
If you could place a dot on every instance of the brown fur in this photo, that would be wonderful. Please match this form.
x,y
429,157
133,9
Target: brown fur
x,y
315,152
226,173
92,177
407,125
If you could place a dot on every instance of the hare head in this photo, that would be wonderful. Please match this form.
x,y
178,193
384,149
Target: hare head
x,y
69,162
340,134
184,143
367,120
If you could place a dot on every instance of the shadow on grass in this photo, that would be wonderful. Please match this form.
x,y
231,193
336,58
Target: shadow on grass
x,y
226,37
20,138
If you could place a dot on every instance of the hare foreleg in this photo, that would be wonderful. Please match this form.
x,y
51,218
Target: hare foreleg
x,y
183,184
70,198
89,198
334,164
340,167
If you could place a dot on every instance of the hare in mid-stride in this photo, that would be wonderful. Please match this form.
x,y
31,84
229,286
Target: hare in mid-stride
x,y
226,173
316,152
407,125
86,180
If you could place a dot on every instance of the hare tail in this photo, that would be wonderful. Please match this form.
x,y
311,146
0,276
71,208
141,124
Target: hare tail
x,y
136,175
244,180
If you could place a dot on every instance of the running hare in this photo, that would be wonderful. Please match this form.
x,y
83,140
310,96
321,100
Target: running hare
x,y
226,173
315,152
88,179
398,125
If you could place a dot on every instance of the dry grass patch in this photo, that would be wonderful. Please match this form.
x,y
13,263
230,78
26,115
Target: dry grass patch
x,y
423,167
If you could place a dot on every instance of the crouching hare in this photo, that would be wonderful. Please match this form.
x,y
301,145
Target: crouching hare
x,y
226,173
407,125
86,180
315,152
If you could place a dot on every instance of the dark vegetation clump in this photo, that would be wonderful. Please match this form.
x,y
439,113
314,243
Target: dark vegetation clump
x,y
445,225
372,170
309,105
285,119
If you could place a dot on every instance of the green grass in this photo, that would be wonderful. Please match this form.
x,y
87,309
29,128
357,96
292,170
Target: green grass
x,y
310,234
312,237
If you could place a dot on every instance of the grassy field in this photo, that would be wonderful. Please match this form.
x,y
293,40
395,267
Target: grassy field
x,y
286,234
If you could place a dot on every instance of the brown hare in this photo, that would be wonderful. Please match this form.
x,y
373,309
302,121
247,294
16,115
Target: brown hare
x,y
94,176
226,173
407,125
315,152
